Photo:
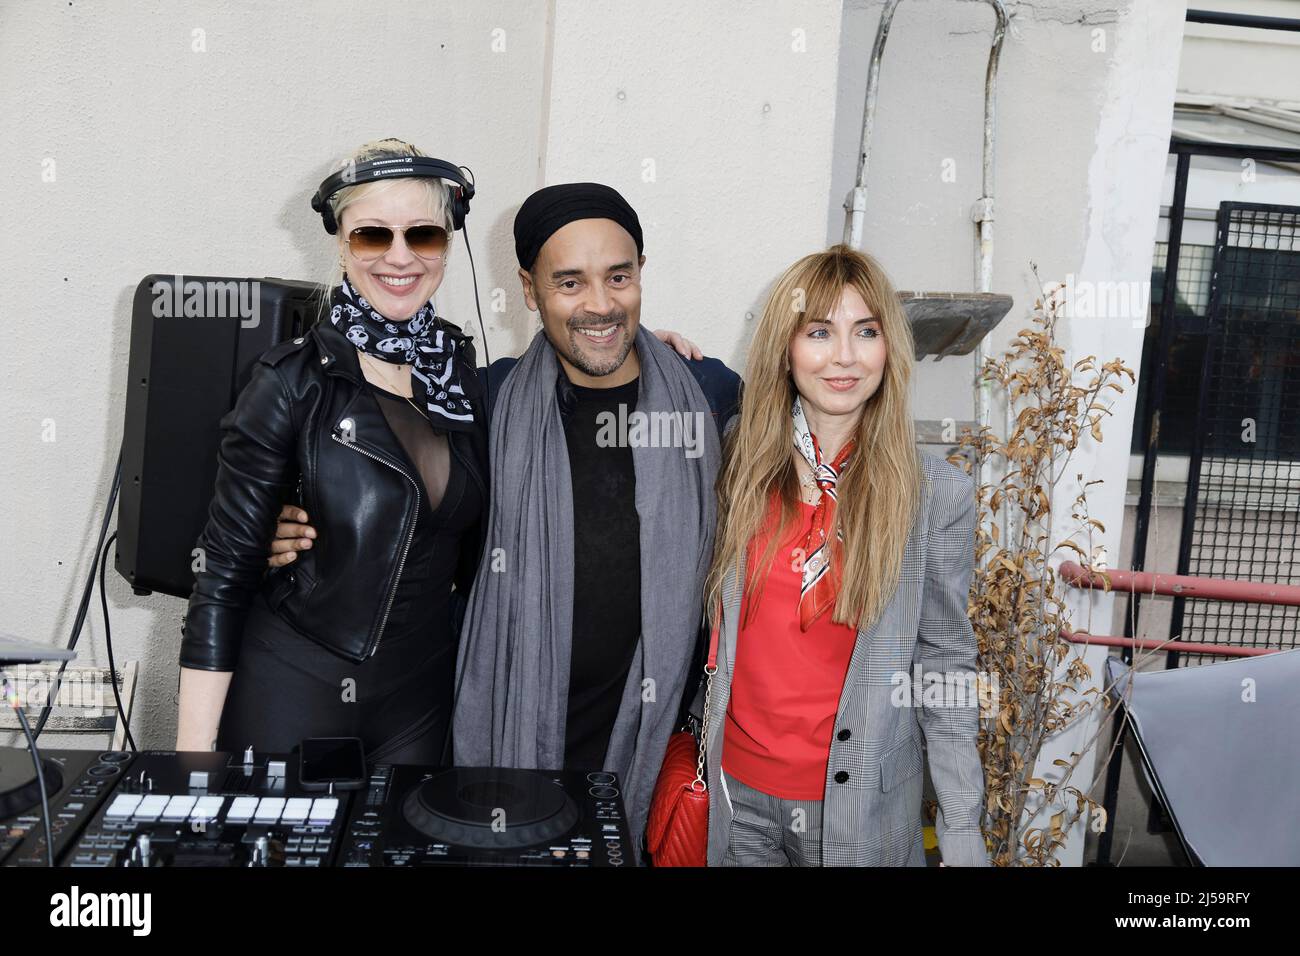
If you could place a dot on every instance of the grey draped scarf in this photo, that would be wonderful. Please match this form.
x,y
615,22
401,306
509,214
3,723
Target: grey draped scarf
x,y
513,664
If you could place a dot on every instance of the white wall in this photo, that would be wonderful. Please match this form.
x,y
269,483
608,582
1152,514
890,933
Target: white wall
x,y
172,160
1242,61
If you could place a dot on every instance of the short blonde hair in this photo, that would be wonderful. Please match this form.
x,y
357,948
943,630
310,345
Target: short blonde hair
x,y
438,193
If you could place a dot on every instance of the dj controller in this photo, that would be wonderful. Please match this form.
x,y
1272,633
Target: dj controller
x,y
216,809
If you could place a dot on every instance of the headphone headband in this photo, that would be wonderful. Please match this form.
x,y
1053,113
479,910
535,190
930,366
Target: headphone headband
x,y
395,167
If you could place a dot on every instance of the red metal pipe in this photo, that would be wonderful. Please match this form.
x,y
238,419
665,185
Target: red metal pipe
x,y
1182,647
1182,585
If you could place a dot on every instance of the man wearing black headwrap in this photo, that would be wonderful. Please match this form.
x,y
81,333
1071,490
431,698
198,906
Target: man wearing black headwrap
x,y
580,637
551,208
601,211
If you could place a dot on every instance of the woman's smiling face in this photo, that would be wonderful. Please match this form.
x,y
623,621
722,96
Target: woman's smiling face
x,y
399,282
838,362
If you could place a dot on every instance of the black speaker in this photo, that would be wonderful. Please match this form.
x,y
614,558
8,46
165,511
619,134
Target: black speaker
x,y
193,343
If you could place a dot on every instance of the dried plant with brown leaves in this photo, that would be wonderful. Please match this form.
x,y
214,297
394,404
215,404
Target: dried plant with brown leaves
x,y
1038,684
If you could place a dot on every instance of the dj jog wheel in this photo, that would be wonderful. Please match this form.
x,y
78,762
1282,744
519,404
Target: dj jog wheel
x,y
490,808
19,788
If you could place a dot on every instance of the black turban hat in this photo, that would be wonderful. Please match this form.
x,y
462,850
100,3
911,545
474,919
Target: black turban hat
x,y
549,209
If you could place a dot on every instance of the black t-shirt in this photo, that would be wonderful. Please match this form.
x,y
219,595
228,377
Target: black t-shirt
x,y
606,574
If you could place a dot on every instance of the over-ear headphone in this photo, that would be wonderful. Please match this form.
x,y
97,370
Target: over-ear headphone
x,y
396,167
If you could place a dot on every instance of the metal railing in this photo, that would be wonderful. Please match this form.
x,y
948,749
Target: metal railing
x,y
1175,586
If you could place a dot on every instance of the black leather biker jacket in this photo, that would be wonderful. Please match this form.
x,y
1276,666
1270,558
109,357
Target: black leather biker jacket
x,y
307,423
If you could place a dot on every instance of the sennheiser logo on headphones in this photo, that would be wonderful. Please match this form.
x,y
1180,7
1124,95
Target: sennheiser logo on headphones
x,y
396,165
208,299
103,909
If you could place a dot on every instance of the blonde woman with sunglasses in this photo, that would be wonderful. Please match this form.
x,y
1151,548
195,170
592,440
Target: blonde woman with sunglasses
x,y
374,422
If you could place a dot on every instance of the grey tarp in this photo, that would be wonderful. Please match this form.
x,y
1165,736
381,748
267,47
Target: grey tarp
x,y
1222,747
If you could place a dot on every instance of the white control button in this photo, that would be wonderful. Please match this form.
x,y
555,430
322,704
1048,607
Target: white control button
x,y
296,810
150,807
268,811
241,810
123,806
207,808
323,809
178,808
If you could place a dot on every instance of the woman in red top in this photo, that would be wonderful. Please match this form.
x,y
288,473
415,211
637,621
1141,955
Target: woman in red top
x,y
825,505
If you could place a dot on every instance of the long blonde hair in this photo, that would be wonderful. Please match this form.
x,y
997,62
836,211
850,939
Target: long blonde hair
x,y
879,490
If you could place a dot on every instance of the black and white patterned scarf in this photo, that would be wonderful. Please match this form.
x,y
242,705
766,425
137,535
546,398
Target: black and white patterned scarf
x,y
432,347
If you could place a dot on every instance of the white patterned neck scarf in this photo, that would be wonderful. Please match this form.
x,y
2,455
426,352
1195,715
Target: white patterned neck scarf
x,y
821,582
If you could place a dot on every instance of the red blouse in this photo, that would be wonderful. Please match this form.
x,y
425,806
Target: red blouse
x,y
786,683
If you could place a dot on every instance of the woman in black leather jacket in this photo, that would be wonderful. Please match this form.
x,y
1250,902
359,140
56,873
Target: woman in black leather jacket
x,y
374,422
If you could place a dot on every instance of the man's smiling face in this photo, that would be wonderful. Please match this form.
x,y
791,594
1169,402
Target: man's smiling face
x,y
586,283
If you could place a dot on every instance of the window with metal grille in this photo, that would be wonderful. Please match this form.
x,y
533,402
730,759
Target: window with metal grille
x,y
1242,517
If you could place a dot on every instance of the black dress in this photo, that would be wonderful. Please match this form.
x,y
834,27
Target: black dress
x,y
399,701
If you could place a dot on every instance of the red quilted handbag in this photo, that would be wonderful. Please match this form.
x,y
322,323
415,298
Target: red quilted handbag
x,y
677,829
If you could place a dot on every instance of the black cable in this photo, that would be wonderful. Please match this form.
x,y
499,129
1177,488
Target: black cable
x,y
487,400
487,356
12,696
108,642
1222,18
84,607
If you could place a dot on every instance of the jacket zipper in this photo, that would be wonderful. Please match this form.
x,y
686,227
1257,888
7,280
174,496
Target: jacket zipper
x,y
410,535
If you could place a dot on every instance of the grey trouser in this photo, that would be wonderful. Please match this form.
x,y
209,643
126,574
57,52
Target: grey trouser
x,y
771,831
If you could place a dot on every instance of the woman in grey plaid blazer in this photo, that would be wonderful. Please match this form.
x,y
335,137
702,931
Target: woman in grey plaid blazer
x,y
878,578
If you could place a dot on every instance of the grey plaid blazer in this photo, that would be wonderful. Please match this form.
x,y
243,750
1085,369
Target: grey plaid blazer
x,y
871,810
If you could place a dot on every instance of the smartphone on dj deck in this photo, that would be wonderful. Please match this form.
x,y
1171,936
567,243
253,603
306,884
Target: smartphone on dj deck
x,y
340,761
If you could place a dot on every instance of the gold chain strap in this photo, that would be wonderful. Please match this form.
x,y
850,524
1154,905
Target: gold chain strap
x,y
699,784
